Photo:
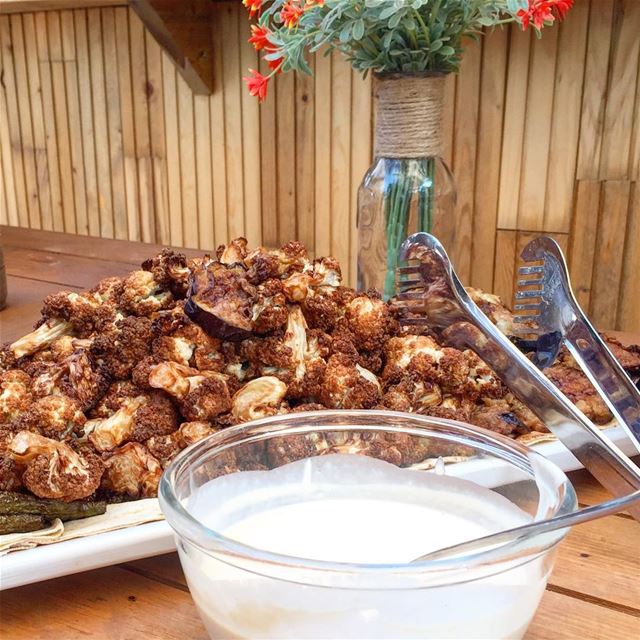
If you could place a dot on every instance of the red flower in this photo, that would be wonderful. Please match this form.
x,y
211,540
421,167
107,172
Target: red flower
x,y
275,65
543,11
291,13
253,6
259,37
257,85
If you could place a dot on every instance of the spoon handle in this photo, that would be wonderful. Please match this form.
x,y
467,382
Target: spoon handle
x,y
534,528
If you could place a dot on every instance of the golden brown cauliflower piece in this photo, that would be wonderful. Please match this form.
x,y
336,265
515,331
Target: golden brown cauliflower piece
x,y
75,376
347,385
109,290
369,322
119,350
165,448
15,395
493,307
85,312
269,312
56,417
40,338
202,395
132,471
52,469
423,356
105,434
189,345
412,394
142,295
259,398
170,270
280,263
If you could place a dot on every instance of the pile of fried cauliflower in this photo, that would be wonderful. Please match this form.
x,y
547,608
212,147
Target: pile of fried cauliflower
x,y
116,381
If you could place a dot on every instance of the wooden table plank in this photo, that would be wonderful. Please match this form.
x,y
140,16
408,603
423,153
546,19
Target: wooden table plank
x,y
601,559
562,617
85,246
107,603
62,269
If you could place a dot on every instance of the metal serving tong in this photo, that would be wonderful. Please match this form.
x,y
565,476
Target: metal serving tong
x,y
431,295
553,315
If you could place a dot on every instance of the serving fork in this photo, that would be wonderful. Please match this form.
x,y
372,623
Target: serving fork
x,y
551,312
431,295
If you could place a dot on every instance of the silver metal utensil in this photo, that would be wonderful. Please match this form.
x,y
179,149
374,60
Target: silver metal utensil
x,y
432,295
535,529
552,311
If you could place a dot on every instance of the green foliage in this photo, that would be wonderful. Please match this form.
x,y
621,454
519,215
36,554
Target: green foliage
x,y
387,36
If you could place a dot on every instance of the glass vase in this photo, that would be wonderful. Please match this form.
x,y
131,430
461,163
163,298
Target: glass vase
x,y
409,188
398,197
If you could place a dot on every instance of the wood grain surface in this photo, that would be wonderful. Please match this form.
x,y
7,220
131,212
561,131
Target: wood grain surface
x,y
593,593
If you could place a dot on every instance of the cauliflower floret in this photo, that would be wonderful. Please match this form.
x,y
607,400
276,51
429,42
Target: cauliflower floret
x,y
85,312
75,377
54,469
142,295
452,408
269,312
493,307
121,349
170,270
412,394
280,263
15,395
108,290
481,380
156,416
132,471
422,355
165,448
202,395
40,338
56,417
189,345
259,398
347,385
369,322
233,253
326,307
107,433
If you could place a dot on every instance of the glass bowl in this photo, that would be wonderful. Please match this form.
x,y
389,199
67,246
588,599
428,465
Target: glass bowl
x,y
244,591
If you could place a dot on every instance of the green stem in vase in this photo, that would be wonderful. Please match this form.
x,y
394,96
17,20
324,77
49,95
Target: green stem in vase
x,y
404,178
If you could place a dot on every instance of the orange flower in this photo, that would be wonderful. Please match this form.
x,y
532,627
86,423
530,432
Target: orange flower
x,y
543,11
253,6
291,13
259,37
257,85
310,3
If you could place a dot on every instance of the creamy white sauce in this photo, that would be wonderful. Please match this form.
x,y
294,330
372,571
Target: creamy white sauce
x,y
350,508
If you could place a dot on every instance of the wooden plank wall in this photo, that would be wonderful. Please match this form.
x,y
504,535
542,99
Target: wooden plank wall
x,y
100,136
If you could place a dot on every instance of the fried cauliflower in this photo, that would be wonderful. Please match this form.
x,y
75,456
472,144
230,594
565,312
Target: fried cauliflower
x,y
201,395
52,469
132,471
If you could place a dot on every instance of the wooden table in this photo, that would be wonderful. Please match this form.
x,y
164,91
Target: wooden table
x,y
594,591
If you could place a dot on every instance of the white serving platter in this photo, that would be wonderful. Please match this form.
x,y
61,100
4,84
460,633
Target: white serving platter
x,y
154,538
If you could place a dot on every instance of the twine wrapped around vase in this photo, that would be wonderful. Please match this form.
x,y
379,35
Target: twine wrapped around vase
x,y
408,115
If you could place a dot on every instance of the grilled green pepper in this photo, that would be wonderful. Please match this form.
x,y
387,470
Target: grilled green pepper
x,y
12,503
21,523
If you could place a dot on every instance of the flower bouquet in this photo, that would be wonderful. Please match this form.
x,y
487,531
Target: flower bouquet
x,y
409,46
